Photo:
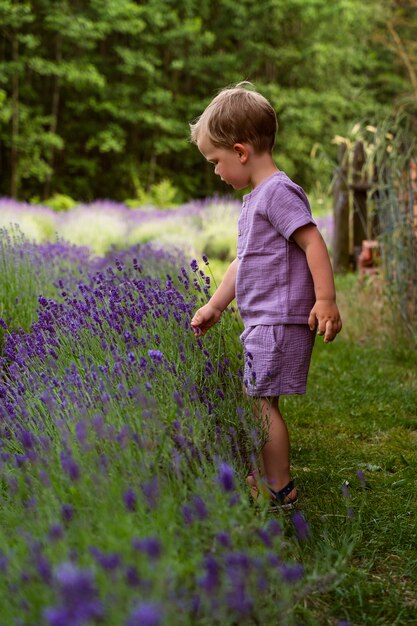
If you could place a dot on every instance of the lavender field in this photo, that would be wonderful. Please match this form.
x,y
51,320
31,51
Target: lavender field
x,y
202,226
125,444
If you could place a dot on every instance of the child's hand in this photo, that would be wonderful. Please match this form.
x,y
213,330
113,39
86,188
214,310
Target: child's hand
x,y
326,316
204,319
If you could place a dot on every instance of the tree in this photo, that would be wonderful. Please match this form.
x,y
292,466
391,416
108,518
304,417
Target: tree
x,y
97,94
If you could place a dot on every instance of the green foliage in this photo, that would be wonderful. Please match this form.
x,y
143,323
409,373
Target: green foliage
x,y
162,195
59,202
96,89
223,249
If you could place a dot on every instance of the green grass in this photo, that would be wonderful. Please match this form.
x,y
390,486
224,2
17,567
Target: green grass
x,y
360,413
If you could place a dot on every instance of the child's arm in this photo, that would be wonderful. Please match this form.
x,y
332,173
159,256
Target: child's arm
x,y
210,313
325,310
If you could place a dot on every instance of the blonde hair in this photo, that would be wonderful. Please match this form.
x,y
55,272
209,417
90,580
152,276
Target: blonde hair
x,y
237,115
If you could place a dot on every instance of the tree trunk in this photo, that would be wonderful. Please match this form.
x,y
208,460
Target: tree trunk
x,y
56,93
341,259
360,188
14,156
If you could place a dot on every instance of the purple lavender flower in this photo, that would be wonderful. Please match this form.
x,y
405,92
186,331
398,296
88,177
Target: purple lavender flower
x,y
178,399
291,573
81,431
226,477
345,490
302,528
130,499
200,507
132,576
265,537
150,490
148,545
273,528
194,265
108,561
55,532
211,578
67,512
69,465
156,355
146,614
238,600
187,515
224,539
42,563
361,477
78,596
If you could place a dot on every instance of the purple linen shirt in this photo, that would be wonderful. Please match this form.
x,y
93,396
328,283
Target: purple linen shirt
x,y
273,283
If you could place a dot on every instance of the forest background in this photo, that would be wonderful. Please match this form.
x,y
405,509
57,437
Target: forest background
x,y
96,95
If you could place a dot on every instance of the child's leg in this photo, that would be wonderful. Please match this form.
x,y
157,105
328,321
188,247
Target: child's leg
x,y
276,451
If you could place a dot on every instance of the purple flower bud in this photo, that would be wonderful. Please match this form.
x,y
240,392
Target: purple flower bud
x,y
211,579
4,562
178,399
361,477
273,528
146,614
226,477
238,600
81,431
156,355
200,507
265,537
130,500
291,573
224,539
345,490
150,490
194,265
70,466
109,561
301,526
67,512
79,601
55,532
187,515
132,576
149,546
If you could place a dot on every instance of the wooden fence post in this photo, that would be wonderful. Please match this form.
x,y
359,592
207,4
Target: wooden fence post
x,y
360,186
341,260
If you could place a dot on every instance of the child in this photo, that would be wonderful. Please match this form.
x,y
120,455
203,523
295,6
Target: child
x,y
282,277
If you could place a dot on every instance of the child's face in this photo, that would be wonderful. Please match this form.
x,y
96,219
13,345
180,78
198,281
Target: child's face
x,y
229,163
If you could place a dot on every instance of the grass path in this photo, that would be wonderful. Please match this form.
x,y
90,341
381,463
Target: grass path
x,y
360,413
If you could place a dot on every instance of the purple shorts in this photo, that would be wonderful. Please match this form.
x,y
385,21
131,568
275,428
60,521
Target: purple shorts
x,y
277,359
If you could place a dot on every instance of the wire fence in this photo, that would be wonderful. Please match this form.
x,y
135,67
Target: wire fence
x,y
395,206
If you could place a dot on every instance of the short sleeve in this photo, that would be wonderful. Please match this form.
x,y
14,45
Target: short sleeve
x,y
288,209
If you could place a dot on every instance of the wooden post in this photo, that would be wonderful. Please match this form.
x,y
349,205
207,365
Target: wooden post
x,y
360,186
341,213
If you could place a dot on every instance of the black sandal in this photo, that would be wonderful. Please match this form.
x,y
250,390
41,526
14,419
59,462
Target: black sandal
x,y
283,502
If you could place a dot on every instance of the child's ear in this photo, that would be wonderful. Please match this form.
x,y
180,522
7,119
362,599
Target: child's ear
x,y
242,151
